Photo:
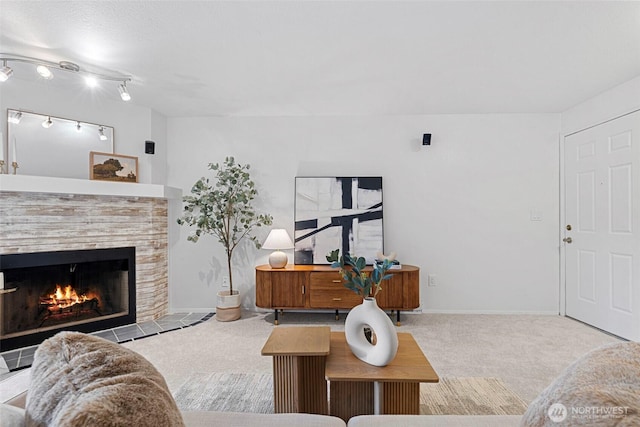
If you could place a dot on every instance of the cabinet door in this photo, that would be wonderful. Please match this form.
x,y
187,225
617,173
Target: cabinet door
x,y
263,289
326,291
411,289
390,296
287,289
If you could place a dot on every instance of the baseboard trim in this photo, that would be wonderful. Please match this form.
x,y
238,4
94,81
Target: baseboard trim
x,y
192,310
409,312
532,312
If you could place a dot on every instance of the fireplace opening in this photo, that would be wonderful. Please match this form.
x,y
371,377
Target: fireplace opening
x,y
46,292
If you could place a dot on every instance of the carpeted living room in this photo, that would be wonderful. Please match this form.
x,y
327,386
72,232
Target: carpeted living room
x,y
310,213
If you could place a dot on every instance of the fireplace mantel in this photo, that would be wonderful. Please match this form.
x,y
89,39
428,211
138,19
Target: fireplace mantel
x,y
41,184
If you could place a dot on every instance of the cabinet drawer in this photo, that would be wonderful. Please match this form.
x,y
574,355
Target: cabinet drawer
x,y
325,278
326,291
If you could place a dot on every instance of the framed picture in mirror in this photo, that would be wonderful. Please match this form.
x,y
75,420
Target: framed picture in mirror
x,y
113,167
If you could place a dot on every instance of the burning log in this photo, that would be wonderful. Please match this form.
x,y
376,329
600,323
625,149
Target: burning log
x,y
66,302
71,307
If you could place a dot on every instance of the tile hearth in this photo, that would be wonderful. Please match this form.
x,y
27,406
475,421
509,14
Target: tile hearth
x,y
23,357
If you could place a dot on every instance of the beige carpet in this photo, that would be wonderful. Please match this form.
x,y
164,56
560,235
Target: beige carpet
x,y
242,392
526,352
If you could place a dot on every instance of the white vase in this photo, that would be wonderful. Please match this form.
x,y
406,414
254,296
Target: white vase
x,y
368,314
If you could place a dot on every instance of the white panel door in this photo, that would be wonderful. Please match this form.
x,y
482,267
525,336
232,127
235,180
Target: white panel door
x,y
602,210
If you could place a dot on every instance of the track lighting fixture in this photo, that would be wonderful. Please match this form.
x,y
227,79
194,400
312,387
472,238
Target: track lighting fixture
x,y
5,71
44,69
101,134
47,123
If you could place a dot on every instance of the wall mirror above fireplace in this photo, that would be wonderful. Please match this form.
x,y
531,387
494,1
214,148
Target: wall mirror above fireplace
x,y
46,145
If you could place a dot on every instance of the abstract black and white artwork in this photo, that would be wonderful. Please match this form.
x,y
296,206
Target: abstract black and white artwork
x,y
337,213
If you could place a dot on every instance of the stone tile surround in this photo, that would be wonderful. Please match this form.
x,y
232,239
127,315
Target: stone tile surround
x,y
41,222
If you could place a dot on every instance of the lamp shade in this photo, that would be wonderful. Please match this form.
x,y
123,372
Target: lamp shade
x,y
278,238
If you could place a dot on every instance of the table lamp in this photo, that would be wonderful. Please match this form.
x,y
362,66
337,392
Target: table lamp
x,y
278,239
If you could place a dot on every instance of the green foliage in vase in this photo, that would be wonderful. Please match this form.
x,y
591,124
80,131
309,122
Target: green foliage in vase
x,y
224,208
355,278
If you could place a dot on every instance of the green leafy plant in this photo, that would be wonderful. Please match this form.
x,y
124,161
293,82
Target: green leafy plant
x,y
352,270
224,208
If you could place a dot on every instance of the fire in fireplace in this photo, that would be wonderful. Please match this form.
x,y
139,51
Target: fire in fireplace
x,y
46,292
67,304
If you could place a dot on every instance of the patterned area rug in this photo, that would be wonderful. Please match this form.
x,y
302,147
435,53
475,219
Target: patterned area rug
x,y
240,392
227,392
470,396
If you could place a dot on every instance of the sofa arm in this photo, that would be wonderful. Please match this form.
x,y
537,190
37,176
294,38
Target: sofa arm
x,y
435,420
12,416
244,419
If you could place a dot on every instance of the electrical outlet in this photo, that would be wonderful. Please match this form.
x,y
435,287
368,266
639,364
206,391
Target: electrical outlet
x,y
225,281
433,280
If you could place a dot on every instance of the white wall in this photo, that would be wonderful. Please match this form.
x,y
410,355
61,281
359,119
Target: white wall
x,y
459,209
158,161
610,104
133,124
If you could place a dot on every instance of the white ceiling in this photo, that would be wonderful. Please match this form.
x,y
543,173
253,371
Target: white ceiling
x,y
265,58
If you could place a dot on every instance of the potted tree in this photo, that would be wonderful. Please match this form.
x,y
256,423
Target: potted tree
x,y
224,209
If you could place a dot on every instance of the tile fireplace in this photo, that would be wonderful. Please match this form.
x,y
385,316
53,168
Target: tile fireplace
x,y
45,214
42,293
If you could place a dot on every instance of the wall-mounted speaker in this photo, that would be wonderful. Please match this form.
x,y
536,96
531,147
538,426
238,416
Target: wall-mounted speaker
x,y
149,147
426,139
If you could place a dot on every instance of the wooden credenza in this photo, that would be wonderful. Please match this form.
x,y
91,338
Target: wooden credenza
x,y
300,287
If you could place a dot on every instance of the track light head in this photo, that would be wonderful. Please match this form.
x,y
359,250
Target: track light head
x,y
78,127
91,81
101,134
15,117
5,72
124,93
44,72
47,123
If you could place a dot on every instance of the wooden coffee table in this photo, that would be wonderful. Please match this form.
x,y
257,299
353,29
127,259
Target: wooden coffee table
x,y
299,355
357,388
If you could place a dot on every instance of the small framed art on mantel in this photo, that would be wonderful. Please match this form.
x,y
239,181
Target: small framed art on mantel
x,y
113,167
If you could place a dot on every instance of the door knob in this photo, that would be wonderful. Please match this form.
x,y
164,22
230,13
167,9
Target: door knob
x,y
567,240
